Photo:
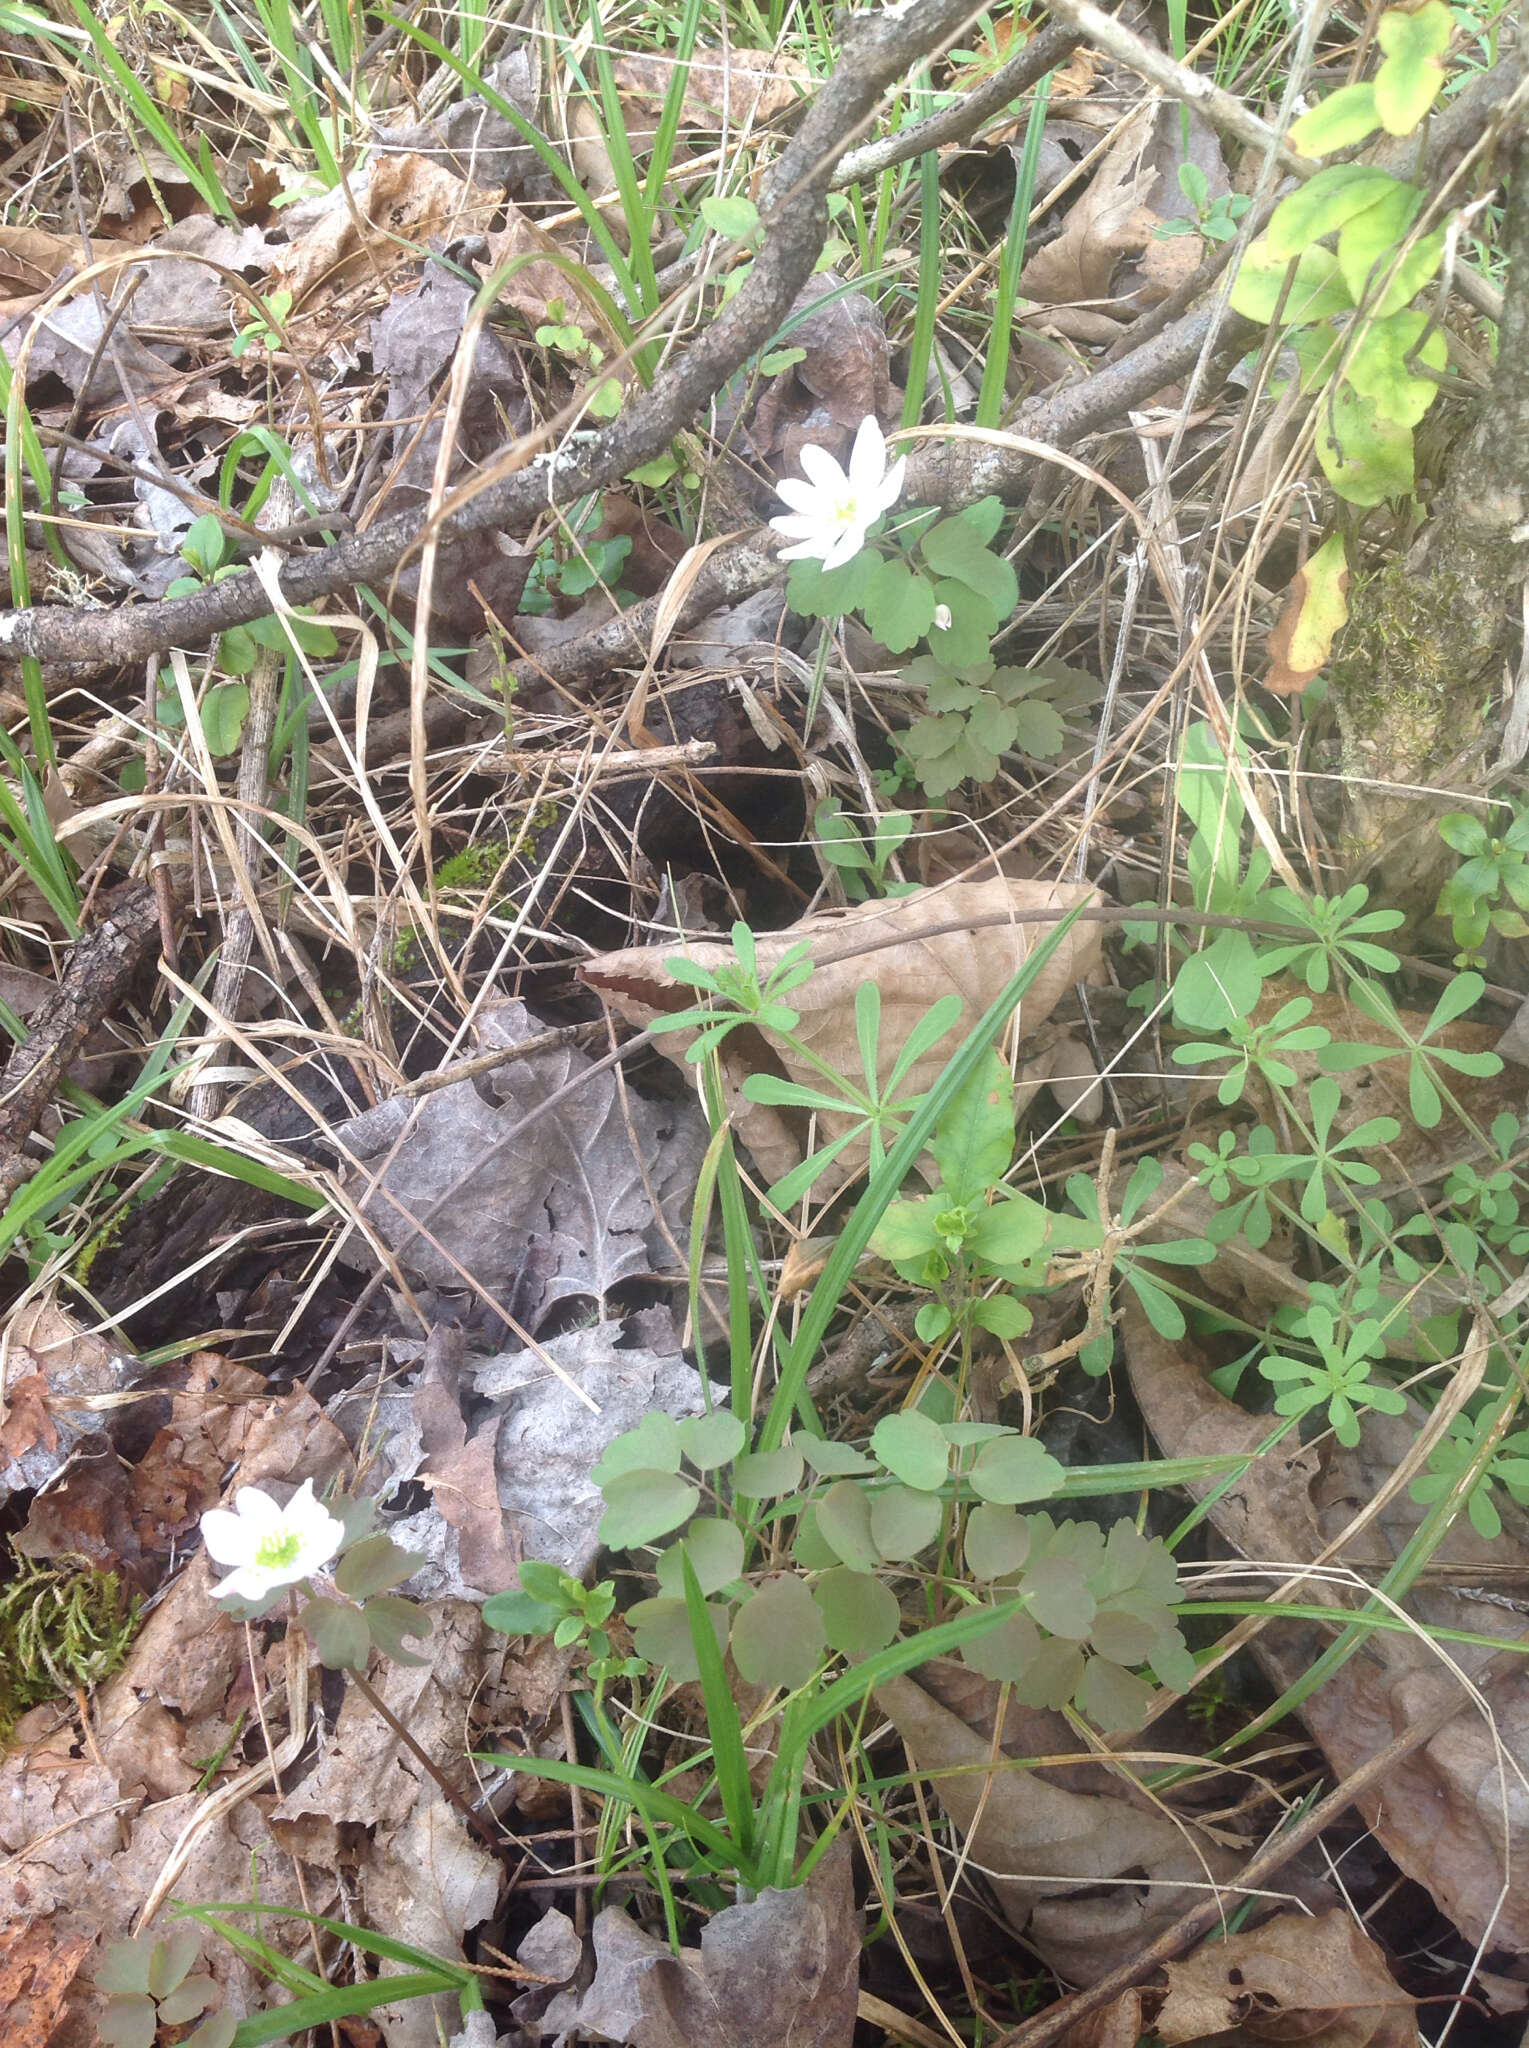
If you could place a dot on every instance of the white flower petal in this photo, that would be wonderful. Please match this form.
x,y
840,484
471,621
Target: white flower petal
x,y
822,470
868,457
229,1539
807,550
249,1583
845,548
797,526
257,1510
800,496
891,486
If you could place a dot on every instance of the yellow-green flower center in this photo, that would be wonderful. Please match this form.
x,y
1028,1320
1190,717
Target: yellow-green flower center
x,y
278,1550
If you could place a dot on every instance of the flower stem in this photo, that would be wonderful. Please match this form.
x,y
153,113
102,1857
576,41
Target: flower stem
x,y
374,1699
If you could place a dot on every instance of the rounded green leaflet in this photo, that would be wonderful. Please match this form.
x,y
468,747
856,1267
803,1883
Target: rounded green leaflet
x,y
641,1506
904,1522
661,1631
763,1475
1007,1651
1052,1676
715,1549
1122,1636
778,1636
832,1460
899,605
1058,1598
913,1449
810,1548
1113,1699
707,1441
860,1615
1015,1468
844,1523
653,1446
997,1542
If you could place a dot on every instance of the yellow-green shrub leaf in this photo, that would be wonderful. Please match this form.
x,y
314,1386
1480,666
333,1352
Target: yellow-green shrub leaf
x,y
1345,116
1375,234
1379,368
1316,290
1366,459
1322,205
1409,81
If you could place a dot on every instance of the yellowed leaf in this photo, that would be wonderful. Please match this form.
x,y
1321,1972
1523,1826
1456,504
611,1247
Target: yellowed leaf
x,y
1314,613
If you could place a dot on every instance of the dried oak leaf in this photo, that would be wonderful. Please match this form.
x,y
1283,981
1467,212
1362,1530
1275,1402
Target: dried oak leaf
x,y
736,88
1111,221
941,940
845,369
57,1364
1318,1979
385,220
593,1193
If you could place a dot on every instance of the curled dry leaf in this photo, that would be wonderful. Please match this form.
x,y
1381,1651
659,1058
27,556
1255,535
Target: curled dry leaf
x,y
914,950
1088,1876
385,220
1293,1979
1316,607
54,1371
784,1967
732,89
1108,223
1451,1815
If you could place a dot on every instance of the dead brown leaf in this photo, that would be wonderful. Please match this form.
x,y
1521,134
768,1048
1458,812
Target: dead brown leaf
x,y
384,220
784,1967
1077,1858
1292,1979
36,1971
1450,1815
843,377
734,88
62,1371
1109,222
939,944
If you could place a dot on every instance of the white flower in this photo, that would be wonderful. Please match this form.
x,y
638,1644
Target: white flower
x,y
942,617
831,511
272,1546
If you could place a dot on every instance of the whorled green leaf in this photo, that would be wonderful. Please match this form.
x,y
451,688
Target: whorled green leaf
x,y
189,2000
1412,76
913,1449
125,1965
1373,235
644,1505
1015,1468
390,1620
375,1565
715,1549
778,1637
339,1634
904,1521
859,1613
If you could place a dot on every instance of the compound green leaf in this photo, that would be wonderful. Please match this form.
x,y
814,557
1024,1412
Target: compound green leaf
x,y
1058,1598
653,1446
644,1505
913,1449
339,1634
898,605
997,1542
778,1636
953,548
765,1475
715,1549
1015,1468
859,1614
1113,1699
1412,273
1052,1676
661,1632
707,1441
974,620
1006,1652
904,1522
830,1458
844,1523
374,1565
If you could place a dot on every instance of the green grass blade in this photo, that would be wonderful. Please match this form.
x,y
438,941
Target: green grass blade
x,y
674,100
722,1723
990,400
643,1798
931,257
